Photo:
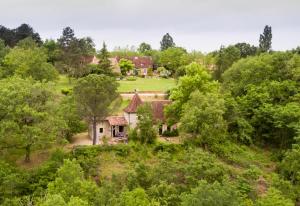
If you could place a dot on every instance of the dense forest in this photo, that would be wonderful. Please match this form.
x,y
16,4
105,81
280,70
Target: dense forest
x,y
237,111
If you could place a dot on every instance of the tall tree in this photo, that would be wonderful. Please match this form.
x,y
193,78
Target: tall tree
x,y
75,53
93,95
265,39
144,48
13,36
225,58
196,78
25,121
166,42
104,66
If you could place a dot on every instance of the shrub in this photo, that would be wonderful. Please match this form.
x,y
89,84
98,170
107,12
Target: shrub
x,y
131,78
150,72
170,133
66,91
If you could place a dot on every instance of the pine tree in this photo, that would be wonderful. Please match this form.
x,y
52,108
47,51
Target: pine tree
x,y
265,39
104,66
167,41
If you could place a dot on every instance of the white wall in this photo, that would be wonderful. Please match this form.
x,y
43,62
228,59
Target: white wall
x,y
131,118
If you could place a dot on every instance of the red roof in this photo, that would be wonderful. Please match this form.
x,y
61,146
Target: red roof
x,y
156,106
140,62
116,120
158,109
134,103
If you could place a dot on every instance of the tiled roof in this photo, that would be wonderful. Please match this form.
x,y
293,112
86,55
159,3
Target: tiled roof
x,y
116,120
134,103
158,109
140,62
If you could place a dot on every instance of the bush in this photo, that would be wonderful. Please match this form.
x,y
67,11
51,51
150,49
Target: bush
x,y
171,133
66,91
150,72
164,147
131,78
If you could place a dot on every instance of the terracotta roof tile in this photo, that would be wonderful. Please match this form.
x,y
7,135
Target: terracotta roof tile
x,y
134,103
116,120
158,109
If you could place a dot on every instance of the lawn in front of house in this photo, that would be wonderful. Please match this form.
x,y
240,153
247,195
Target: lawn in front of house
x,y
140,84
146,84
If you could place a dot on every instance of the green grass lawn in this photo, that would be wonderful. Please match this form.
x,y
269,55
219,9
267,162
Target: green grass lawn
x,y
146,84
140,84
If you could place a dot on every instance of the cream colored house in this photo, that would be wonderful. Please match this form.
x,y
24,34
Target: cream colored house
x,y
116,127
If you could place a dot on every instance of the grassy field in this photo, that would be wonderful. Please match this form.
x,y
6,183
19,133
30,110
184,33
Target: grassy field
x,y
146,84
141,84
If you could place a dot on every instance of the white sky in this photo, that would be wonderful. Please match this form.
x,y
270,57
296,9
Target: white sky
x,y
194,24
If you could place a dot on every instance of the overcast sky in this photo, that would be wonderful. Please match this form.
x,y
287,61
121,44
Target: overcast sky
x,y
194,24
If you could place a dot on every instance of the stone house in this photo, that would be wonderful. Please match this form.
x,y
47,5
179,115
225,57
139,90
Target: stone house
x,y
116,127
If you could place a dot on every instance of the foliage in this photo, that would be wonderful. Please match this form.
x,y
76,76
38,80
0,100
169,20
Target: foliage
x,y
25,116
104,66
166,42
246,49
265,102
172,58
290,164
196,78
265,39
93,95
274,198
215,194
125,66
203,118
145,131
28,62
144,48
75,53
12,36
225,58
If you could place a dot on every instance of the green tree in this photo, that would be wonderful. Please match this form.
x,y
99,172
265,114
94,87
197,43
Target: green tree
x,y
265,39
75,53
203,118
125,66
246,49
3,50
172,58
274,198
93,95
196,78
225,58
215,194
146,132
136,197
13,36
104,66
28,62
72,187
144,48
166,42
25,121
290,165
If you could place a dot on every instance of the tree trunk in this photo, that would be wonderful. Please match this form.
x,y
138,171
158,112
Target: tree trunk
x,y
94,131
27,153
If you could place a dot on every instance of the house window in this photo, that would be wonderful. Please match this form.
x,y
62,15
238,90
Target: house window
x,y
101,130
121,128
